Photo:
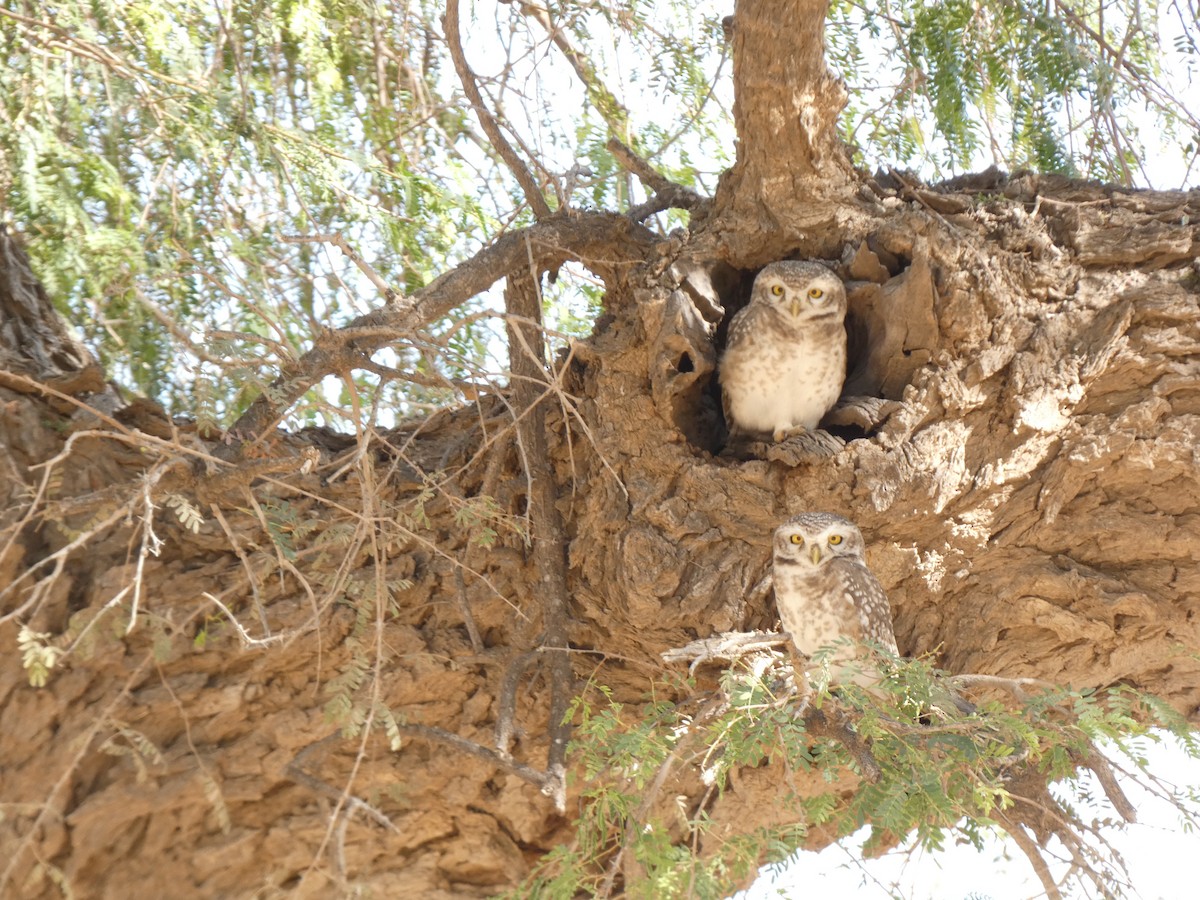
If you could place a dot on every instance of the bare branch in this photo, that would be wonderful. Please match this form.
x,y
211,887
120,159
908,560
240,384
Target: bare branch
x,y
507,705
522,298
533,194
1015,686
666,191
1033,854
728,645
293,771
545,781
1112,788
390,294
604,242
465,608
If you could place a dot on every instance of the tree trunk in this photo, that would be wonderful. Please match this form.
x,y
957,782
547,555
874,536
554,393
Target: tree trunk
x,y
1028,501
792,177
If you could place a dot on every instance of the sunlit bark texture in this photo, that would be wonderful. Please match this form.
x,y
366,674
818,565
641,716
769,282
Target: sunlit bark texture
x,y
1028,496
792,173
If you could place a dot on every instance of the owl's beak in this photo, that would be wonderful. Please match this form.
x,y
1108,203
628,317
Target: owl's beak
x,y
795,306
815,554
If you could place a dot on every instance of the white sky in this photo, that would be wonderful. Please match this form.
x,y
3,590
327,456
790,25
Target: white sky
x,y
1159,855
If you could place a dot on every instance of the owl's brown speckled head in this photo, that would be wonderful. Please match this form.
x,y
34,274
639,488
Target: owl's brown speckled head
x,y
812,539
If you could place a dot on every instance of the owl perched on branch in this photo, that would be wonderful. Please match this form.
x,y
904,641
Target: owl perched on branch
x,y
828,598
785,356
823,588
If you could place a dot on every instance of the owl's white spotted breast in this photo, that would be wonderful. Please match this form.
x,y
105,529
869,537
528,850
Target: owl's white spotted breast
x,y
842,599
778,379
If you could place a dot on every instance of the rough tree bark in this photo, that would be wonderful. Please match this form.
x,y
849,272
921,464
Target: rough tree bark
x,y
1029,502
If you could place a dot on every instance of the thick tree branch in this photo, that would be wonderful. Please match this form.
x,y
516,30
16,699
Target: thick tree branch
x,y
837,727
533,194
1112,788
632,162
786,99
1033,853
667,194
523,302
790,157
604,242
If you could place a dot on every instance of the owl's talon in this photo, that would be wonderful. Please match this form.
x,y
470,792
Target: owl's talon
x,y
784,434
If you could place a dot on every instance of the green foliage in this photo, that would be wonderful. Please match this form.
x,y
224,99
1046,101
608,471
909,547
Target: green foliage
x,y
189,516
135,746
1059,88
345,708
937,775
288,526
156,154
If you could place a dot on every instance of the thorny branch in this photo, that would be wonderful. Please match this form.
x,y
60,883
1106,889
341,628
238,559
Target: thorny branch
x,y
547,782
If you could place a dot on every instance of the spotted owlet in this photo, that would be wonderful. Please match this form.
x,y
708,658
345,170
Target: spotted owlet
x,y
785,356
827,596
823,588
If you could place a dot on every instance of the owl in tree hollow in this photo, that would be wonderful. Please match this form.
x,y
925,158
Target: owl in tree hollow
x,y
785,356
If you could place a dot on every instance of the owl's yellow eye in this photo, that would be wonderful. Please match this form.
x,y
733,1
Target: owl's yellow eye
x,y
796,539
835,539
816,293
777,290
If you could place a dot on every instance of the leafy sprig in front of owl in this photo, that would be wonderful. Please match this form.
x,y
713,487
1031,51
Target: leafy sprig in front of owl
x,y
651,773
